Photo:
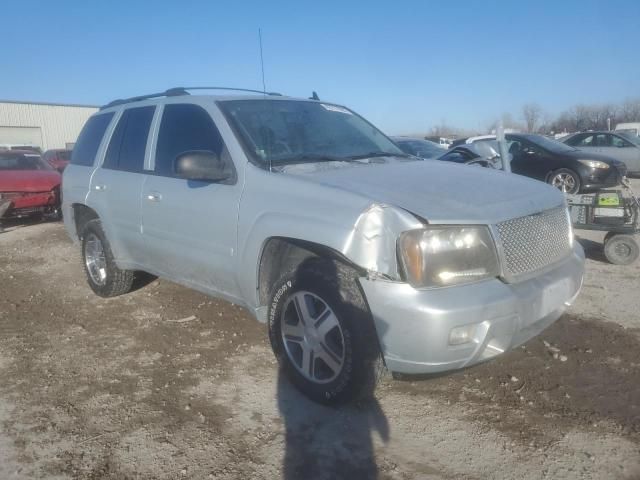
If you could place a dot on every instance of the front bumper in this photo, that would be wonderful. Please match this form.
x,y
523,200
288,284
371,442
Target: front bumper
x,y
414,325
24,204
597,178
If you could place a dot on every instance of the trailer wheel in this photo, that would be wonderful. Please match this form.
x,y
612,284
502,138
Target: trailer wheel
x,y
621,249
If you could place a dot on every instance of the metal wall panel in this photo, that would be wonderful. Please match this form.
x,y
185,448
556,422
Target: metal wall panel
x,y
59,124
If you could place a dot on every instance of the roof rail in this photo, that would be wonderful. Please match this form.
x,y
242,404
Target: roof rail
x,y
262,92
178,91
172,92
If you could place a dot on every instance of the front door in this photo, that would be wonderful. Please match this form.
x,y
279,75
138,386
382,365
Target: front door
x,y
190,227
530,160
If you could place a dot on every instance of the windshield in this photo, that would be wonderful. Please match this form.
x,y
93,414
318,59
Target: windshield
x,y
548,144
629,135
22,162
421,148
290,131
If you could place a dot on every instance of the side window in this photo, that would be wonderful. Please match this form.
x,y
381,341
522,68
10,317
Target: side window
x,y
619,142
585,142
184,127
129,140
85,149
603,140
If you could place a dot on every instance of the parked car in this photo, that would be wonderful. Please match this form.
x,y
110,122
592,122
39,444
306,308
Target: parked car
x,y
310,217
624,147
630,127
58,158
482,154
418,147
29,183
566,168
20,146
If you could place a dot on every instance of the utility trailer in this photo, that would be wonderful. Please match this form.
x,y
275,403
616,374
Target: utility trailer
x,y
614,211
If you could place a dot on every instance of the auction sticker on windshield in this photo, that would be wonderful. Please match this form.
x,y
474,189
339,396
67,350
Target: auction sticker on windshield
x,y
335,108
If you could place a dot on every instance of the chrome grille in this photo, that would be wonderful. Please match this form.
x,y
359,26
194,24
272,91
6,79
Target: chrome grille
x,y
535,241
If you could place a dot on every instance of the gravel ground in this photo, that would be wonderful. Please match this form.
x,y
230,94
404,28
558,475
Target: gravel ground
x,y
166,383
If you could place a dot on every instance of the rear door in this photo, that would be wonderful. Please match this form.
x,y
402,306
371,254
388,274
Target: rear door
x,y
116,187
190,227
77,176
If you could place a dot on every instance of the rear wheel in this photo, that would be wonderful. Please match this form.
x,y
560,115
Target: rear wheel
x,y
103,275
322,333
565,180
621,249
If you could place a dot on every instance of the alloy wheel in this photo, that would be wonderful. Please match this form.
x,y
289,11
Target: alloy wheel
x,y
312,337
94,259
564,182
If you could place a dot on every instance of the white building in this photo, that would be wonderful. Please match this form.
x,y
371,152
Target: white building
x,y
45,125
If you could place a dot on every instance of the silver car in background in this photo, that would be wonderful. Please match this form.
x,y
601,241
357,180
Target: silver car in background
x,y
306,214
624,147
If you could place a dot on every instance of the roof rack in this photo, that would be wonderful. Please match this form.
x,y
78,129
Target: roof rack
x,y
178,91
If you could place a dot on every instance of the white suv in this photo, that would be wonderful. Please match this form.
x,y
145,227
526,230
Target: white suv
x,y
314,220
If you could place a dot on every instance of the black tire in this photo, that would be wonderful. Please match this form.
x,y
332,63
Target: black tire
x,y
336,285
116,281
608,236
621,249
564,173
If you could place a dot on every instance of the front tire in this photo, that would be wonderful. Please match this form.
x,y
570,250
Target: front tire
x,y
565,180
322,333
103,275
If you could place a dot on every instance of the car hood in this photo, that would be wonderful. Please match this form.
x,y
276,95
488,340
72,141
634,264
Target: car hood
x,y
28,180
439,192
579,154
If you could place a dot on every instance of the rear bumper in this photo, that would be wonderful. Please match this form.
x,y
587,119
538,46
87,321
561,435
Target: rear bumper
x,y
414,325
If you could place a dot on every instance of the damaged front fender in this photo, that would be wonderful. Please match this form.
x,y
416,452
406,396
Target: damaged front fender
x,y
372,242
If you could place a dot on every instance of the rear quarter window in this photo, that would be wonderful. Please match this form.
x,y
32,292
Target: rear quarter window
x,y
84,152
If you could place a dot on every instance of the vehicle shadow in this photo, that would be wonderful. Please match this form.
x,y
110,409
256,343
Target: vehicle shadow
x,y
593,250
9,224
142,279
329,443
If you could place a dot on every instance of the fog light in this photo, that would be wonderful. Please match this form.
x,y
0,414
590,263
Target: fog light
x,y
460,335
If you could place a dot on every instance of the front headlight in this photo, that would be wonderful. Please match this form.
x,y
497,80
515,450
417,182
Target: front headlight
x,y
440,256
594,164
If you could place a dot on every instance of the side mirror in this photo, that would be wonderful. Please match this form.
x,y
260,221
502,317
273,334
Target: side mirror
x,y
202,165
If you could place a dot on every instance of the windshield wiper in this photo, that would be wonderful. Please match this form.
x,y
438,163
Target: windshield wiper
x,y
377,154
310,158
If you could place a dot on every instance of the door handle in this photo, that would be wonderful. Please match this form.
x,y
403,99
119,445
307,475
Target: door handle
x,y
100,188
154,197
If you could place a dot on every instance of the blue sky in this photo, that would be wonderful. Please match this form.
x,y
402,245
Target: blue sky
x,y
406,66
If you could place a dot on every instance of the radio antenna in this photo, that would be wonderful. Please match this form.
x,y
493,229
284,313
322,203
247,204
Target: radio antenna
x,y
264,86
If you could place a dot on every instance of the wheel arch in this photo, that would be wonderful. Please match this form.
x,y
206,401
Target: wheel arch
x,y
81,215
283,254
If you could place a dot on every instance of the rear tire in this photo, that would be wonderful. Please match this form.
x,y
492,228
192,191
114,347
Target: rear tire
x,y
621,249
103,275
322,332
565,180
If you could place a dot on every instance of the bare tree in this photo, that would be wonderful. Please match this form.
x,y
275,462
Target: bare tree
x,y
629,110
531,113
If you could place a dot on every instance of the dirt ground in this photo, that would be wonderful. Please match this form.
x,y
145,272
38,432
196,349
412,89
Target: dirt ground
x,y
166,383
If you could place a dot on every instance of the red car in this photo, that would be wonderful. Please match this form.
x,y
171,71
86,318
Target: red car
x,y
58,158
28,184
